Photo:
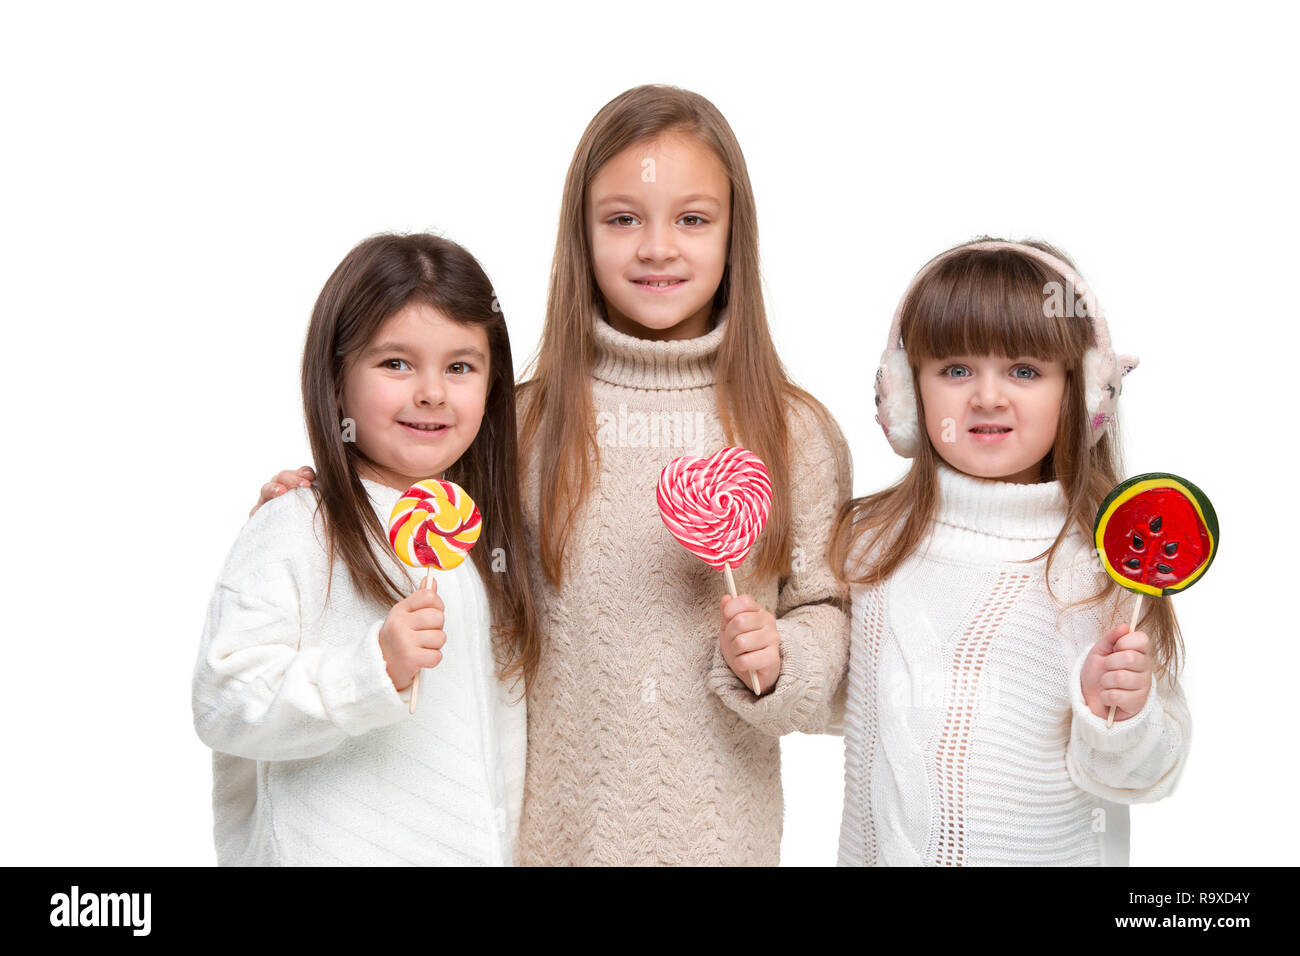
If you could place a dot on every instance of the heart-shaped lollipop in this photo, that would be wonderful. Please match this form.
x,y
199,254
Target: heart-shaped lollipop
x,y
716,508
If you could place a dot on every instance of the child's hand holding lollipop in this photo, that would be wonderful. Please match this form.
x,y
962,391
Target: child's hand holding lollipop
x,y
1117,673
411,637
750,643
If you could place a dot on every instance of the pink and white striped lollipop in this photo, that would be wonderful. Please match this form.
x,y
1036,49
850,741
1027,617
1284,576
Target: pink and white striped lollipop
x,y
716,508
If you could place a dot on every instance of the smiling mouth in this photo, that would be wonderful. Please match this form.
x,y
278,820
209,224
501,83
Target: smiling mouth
x,y
658,283
424,428
990,430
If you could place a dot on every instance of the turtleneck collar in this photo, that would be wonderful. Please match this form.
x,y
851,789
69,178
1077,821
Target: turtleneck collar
x,y
640,363
1001,509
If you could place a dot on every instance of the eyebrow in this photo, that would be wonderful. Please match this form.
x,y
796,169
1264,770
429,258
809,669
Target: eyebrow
x,y
684,201
400,347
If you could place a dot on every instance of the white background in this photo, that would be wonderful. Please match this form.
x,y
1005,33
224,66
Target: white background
x,y
178,183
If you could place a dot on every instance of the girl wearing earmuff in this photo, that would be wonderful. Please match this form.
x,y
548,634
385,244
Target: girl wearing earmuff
x,y
983,657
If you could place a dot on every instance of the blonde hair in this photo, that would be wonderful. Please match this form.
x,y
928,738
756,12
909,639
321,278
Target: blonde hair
x,y
990,302
754,392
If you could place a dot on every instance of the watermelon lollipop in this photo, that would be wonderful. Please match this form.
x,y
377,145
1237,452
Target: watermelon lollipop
x,y
1155,534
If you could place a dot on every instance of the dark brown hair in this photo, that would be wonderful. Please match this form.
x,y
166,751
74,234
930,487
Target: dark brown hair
x,y
753,391
990,302
374,281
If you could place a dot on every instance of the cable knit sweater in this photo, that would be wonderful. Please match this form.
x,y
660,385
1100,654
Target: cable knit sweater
x,y
967,740
316,759
643,747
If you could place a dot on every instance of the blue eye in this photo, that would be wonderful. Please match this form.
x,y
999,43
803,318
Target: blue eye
x,y
1032,373
965,372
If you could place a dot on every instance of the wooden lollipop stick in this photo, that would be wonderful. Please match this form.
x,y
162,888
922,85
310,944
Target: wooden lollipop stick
x,y
731,588
1137,608
415,684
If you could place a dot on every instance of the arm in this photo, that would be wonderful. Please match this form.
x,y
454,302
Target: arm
x,y
811,624
257,692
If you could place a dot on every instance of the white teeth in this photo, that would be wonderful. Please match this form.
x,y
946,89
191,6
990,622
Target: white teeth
x,y
660,285
423,428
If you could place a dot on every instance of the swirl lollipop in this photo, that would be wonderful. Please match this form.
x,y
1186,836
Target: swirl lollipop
x,y
433,526
716,507
1155,534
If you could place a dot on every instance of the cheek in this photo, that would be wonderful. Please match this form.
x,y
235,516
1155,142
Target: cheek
x,y
934,409
376,397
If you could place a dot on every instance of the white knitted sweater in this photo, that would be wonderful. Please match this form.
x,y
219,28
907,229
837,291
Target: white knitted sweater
x,y
316,759
967,740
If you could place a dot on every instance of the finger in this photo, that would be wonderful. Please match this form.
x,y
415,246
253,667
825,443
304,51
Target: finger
x,y
746,621
307,472
426,619
1107,643
739,605
291,479
423,598
272,489
751,641
1124,680
1133,641
432,640
1127,661
758,660
426,657
1127,701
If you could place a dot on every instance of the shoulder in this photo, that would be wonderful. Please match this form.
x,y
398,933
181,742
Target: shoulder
x,y
286,529
818,451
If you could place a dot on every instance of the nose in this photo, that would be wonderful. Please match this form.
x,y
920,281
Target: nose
x,y
429,390
658,242
990,393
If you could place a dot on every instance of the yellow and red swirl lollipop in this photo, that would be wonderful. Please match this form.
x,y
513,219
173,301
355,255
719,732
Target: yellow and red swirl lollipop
x,y
433,526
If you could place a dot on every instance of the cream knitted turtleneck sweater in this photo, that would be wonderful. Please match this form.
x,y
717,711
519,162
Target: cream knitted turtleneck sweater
x,y
967,740
643,747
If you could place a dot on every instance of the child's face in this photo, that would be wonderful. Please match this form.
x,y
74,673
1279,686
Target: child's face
x,y
420,369
1021,398
660,212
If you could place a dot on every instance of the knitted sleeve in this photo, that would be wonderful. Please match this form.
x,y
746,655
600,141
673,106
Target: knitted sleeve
x,y
812,624
1138,760
266,686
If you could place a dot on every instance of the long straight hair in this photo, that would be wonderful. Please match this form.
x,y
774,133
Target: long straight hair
x,y
990,302
376,280
754,393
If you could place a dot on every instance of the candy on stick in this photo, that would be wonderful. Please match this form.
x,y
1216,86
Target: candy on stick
x,y
433,526
716,507
1155,534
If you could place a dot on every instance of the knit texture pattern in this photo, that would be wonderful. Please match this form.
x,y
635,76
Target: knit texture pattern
x,y
643,747
967,740
316,760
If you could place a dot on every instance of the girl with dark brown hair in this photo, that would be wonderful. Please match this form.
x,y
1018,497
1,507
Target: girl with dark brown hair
x,y
316,630
984,657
